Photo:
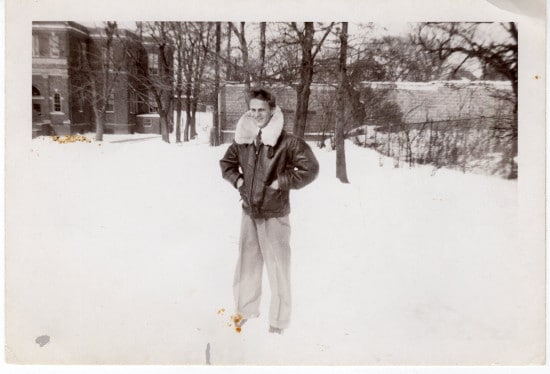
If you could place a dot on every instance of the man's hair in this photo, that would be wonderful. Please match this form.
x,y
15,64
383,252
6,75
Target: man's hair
x,y
264,95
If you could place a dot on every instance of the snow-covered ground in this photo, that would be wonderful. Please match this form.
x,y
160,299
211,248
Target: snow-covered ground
x,y
126,252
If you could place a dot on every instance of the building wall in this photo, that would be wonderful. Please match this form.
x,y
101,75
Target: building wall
x,y
148,123
40,100
413,102
232,105
50,86
59,68
58,84
50,72
80,109
441,101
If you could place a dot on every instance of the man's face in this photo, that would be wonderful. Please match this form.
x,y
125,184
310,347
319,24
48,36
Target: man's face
x,y
260,111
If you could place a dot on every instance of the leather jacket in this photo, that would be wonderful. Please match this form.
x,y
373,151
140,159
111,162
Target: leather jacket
x,y
290,161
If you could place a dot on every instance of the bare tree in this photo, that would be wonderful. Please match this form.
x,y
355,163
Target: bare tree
x,y
160,80
341,172
228,60
215,139
284,63
304,37
243,47
494,46
293,63
97,75
468,41
263,46
325,100
178,37
197,38
402,60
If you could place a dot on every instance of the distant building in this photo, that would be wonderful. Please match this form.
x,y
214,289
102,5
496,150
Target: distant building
x,y
439,101
59,97
232,105
382,104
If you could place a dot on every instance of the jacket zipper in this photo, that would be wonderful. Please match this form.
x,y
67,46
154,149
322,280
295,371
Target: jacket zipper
x,y
257,151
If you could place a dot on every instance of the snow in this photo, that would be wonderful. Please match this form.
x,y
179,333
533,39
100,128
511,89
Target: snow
x,y
133,244
148,115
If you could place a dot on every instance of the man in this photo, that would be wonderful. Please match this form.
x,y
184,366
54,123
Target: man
x,y
264,162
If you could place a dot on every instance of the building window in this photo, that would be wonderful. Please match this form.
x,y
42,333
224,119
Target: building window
x,y
43,45
35,91
110,103
57,102
36,106
36,110
35,46
153,108
54,45
153,63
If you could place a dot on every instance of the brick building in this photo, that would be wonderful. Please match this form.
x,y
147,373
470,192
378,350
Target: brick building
x,y
383,103
232,105
51,57
446,100
60,103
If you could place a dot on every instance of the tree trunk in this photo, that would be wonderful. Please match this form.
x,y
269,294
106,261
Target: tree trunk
x,y
166,91
341,172
104,100
514,78
94,96
180,52
164,120
193,128
164,125
170,115
430,144
101,115
245,68
99,125
178,117
302,104
513,174
107,88
215,134
187,126
306,77
187,116
262,53
244,50
229,71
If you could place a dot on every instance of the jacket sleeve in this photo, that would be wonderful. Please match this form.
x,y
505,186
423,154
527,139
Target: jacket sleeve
x,y
229,165
302,167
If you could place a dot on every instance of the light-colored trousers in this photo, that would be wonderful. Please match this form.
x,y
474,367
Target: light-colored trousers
x,y
264,240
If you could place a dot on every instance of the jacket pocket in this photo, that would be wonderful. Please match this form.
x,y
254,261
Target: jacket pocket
x,y
272,199
242,192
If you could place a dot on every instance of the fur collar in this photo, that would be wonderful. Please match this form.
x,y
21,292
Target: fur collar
x,y
247,130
